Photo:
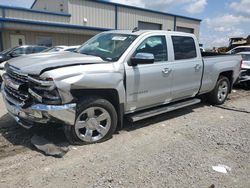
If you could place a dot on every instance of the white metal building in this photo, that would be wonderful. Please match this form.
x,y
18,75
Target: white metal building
x,y
72,22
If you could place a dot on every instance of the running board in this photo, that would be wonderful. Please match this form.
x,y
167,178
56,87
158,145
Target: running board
x,y
160,110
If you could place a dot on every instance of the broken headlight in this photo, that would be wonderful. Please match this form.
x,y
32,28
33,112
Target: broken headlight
x,y
44,91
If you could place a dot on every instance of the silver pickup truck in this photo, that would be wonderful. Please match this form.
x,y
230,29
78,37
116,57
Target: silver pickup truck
x,y
114,75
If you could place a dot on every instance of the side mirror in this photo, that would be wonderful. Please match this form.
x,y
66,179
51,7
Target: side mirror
x,y
142,58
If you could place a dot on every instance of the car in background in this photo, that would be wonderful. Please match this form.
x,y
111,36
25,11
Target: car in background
x,y
245,68
62,48
239,49
2,70
20,50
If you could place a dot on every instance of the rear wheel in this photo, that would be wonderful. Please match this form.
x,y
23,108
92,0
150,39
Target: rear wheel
x,y
96,121
220,93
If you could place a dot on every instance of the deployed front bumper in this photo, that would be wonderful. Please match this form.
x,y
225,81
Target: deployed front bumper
x,y
41,113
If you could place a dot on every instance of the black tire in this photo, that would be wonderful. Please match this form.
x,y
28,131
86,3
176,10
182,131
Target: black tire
x,y
213,96
70,131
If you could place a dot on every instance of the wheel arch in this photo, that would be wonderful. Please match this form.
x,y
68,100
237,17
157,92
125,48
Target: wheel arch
x,y
229,75
111,95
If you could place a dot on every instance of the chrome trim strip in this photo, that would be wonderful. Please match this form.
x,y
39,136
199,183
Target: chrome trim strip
x,y
34,94
7,80
43,83
10,99
65,113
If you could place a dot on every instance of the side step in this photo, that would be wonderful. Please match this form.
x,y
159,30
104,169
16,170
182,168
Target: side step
x,y
160,110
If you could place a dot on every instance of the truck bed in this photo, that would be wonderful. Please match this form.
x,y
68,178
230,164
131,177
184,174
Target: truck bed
x,y
207,54
215,63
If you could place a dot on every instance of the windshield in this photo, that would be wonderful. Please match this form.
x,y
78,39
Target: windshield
x,y
7,50
108,46
246,57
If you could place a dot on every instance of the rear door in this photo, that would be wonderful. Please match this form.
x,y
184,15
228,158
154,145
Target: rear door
x,y
187,67
149,84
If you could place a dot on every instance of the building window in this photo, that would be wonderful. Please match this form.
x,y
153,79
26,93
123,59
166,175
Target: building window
x,y
44,41
149,26
185,29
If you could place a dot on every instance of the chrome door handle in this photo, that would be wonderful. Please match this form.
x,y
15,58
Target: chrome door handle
x,y
197,67
166,71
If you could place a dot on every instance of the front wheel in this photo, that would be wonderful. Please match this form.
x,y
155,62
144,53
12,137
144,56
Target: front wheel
x,y
220,93
96,121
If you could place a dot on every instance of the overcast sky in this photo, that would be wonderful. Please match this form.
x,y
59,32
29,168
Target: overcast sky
x,y
221,18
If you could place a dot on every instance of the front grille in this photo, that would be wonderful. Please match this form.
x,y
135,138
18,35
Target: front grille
x,y
17,95
18,77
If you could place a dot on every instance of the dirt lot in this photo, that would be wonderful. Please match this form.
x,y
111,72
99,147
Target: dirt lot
x,y
177,149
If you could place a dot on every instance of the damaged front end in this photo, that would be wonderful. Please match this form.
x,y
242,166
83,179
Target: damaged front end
x,y
31,100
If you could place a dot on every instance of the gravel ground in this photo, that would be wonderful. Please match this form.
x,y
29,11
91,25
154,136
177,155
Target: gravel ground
x,y
177,149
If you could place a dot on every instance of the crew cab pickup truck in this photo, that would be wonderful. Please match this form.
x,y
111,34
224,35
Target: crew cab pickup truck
x,y
114,75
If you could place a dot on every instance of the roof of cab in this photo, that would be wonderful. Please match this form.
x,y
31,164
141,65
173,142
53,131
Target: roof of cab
x,y
140,32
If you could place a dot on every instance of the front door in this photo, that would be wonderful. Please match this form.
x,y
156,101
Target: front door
x,y
17,40
149,84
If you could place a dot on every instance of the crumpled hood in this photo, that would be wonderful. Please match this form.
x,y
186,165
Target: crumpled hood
x,y
35,64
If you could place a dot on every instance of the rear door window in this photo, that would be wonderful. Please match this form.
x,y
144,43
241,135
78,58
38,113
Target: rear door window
x,y
184,47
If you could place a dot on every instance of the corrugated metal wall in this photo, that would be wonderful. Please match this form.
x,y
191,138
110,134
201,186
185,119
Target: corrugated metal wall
x,y
181,22
128,18
25,15
97,14
52,5
57,38
28,27
1,12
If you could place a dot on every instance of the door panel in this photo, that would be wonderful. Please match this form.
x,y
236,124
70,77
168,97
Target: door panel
x,y
149,85
186,78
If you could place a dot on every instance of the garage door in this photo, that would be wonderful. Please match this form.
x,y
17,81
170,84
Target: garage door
x,y
185,29
148,25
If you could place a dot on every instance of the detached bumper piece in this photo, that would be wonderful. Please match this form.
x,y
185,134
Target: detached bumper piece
x,y
40,113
